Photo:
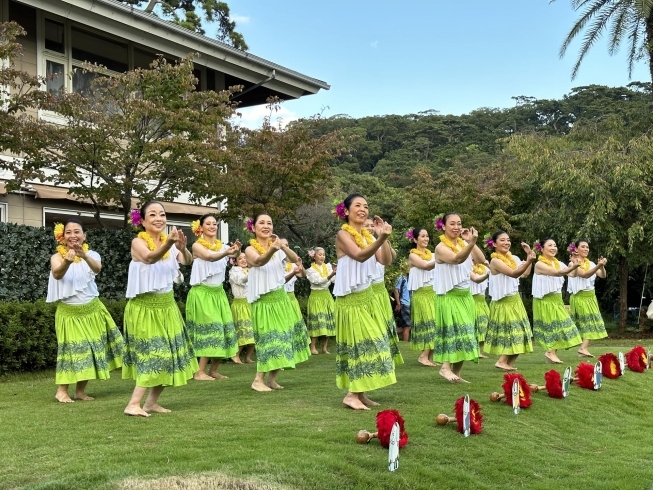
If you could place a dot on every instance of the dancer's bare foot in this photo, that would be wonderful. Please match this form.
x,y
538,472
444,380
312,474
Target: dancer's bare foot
x,y
236,360
83,396
202,376
504,366
461,380
584,353
135,411
63,397
552,358
326,352
155,408
482,356
424,361
448,375
352,401
249,361
217,375
259,385
314,352
274,385
366,401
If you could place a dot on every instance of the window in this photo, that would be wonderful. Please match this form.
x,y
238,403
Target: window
x,y
55,75
54,36
56,215
90,47
3,212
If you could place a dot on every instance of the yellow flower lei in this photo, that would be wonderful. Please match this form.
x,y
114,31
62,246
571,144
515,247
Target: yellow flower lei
x,y
322,270
460,244
479,269
59,232
150,242
425,255
551,263
289,266
214,247
64,250
257,246
362,239
506,259
585,265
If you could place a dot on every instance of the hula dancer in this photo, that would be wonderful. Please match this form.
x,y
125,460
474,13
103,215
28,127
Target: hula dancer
x,y
321,322
382,299
89,344
552,327
480,278
158,351
241,311
455,313
509,331
422,301
208,316
584,308
281,339
364,361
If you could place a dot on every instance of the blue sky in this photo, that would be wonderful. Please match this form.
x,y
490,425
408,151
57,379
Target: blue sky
x,y
404,57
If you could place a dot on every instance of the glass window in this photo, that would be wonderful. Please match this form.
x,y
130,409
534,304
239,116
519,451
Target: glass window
x,y
55,77
96,49
82,80
54,36
3,212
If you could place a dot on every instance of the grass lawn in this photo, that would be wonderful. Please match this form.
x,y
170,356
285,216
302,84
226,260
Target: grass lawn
x,y
303,438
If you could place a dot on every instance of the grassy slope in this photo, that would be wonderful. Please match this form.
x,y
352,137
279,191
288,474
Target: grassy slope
x,y
302,437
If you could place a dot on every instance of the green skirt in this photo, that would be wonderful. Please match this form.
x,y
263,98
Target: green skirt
x,y
241,312
422,316
482,316
455,331
320,314
280,336
552,326
383,305
295,304
363,358
508,331
209,322
158,351
89,345
586,315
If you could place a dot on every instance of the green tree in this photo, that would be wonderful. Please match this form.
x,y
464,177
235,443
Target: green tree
x,y
629,21
183,13
141,134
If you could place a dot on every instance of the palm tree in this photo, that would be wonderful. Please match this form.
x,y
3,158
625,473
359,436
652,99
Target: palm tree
x,y
625,20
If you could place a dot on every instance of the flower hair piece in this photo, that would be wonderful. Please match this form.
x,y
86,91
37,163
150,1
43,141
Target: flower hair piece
x,y
410,235
59,232
196,228
489,243
438,222
249,225
135,217
572,248
339,210
537,247
311,253
232,261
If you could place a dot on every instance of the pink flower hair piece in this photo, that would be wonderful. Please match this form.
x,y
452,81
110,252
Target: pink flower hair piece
x,y
537,247
572,248
489,243
135,217
339,211
311,253
250,225
232,261
410,235
439,224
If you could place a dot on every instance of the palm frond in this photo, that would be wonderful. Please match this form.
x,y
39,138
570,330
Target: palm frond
x,y
593,9
636,48
620,24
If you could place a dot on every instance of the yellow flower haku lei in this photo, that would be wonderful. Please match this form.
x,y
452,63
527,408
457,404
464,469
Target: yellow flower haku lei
x,y
322,270
257,246
426,255
585,264
196,228
554,263
150,242
362,239
213,247
454,248
64,250
479,269
59,232
506,259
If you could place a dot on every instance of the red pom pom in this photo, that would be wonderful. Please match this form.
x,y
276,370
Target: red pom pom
x,y
475,415
585,374
553,384
610,367
385,419
636,359
524,390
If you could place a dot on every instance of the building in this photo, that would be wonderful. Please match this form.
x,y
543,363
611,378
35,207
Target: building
x,y
63,33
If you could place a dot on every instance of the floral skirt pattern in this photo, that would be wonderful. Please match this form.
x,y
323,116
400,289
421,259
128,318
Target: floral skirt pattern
x,y
482,316
586,315
422,317
241,312
385,308
508,331
320,314
455,331
553,328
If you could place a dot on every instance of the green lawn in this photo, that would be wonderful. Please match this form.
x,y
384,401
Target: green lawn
x,y
302,437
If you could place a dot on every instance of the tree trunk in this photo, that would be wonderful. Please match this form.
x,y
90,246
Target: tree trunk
x,y
623,293
126,203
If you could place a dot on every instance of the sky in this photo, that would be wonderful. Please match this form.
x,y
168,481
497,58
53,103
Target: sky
x,y
453,56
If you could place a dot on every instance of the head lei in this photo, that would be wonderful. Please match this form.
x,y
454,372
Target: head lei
x,y
537,247
339,209
59,232
410,235
489,243
572,249
249,225
135,218
196,228
438,222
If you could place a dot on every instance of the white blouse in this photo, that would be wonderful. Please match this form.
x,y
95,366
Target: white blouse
x,y
576,284
238,280
543,284
266,278
354,276
450,276
207,272
290,285
379,274
319,283
502,286
419,278
153,278
77,286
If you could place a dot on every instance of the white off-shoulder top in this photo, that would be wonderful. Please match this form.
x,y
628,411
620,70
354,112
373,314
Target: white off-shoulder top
x,y
238,280
77,286
318,282
543,284
264,279
450,276
379,273
576,284
290,285
502,286
419,278
153,278
354,276
207,272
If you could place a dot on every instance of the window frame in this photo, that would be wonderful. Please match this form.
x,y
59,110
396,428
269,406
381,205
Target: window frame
x,y
4,212
85,214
